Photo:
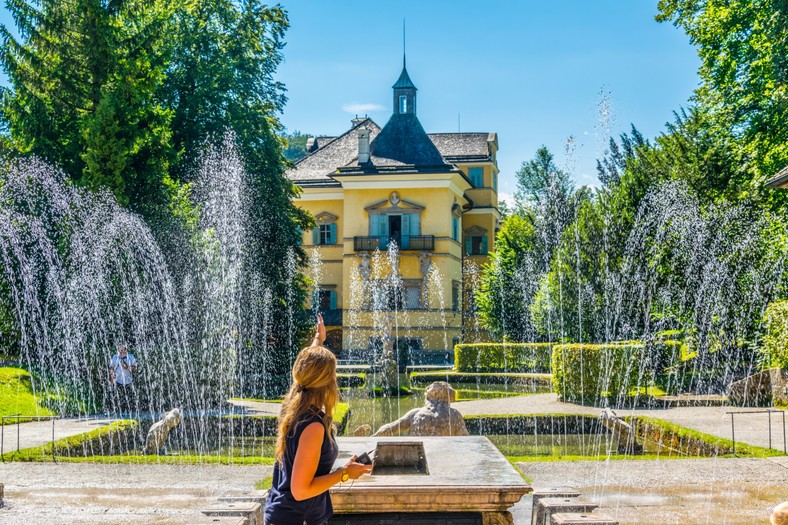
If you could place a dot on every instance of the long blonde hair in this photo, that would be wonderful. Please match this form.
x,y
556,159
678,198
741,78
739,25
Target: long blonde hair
x,y
314,388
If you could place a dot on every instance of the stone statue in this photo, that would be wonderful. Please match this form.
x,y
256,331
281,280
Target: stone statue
x,y
435,418
364,268
158,433
424,264
622,433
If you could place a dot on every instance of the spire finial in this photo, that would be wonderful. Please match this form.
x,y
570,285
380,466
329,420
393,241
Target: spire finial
x,y
403,43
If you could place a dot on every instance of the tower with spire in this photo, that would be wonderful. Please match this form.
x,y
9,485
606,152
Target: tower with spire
x,y
404,93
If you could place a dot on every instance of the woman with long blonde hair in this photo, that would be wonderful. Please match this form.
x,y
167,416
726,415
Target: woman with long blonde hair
x,y
305,445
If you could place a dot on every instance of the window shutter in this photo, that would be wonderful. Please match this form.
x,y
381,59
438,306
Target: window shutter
x,y
415,224
484,245
333,298
468,245
333,233
316,235
405,239
373,225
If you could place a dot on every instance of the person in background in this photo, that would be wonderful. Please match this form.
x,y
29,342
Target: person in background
x,y
121,375
305,444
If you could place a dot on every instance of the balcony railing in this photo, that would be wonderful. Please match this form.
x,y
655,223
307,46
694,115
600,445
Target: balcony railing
x,y
405,242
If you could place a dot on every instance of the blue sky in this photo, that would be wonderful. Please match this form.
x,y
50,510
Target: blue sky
x,y
534,72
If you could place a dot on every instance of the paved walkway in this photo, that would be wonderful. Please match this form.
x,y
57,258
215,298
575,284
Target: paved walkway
x,y
752,429
37,433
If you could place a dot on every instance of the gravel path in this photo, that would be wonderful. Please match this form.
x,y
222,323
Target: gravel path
x,y
37,433
92,494
734,491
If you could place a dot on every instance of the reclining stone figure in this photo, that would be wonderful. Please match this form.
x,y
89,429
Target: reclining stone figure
x,y
160,430
435,418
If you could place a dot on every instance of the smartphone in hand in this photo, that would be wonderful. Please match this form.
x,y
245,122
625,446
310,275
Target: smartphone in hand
x,y
364,459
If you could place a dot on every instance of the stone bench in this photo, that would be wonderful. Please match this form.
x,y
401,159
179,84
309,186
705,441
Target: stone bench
x,y
549,506
554,492
252,511
564,518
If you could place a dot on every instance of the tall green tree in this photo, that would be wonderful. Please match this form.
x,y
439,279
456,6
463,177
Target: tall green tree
x,y
743,47
509,280
83,77
221,78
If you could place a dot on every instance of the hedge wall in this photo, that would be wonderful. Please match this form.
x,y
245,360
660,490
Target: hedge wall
x,y
502,357
775,341
587,373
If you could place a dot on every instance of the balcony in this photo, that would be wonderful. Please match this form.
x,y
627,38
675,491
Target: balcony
x,y
405,242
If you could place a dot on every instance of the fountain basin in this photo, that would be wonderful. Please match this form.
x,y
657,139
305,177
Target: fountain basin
x,y
466,474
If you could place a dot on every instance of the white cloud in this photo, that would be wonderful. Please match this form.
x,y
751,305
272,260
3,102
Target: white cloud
x,y
362,108
508,198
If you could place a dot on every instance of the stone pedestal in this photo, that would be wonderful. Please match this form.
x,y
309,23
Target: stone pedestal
x,y
581,519
460,475
249,510
554,492
549,506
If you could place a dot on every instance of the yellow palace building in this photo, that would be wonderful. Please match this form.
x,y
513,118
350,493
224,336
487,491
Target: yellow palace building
x,y
400,214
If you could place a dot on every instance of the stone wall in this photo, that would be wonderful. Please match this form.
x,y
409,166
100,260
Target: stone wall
x,y
767,388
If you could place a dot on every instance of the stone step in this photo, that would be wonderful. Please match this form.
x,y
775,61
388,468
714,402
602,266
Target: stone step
x,y
216,520
570,518
254,496
245,509
553,492
549,506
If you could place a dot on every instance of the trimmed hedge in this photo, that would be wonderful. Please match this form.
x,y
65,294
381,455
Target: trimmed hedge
x,y
775,341
502,357
588,373
532,381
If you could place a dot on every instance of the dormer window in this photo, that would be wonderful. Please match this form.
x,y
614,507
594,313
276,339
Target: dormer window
x,y
403,104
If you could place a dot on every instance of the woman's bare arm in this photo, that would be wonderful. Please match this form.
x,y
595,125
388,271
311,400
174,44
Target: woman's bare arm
x,y
305,484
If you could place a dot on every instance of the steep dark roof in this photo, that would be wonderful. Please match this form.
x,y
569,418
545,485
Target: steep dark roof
x,y
468,147
404,81
318,167
404,141
779,180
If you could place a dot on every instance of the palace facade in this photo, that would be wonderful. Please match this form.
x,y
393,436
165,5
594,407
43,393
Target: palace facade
x,y
431,200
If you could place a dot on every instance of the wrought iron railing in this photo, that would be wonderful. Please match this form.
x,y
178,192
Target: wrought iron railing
x,y
404,242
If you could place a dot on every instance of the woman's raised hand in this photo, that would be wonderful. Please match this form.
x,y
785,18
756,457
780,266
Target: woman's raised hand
x,y
320,330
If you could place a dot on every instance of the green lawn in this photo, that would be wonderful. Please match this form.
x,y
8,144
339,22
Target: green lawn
x,y
17,397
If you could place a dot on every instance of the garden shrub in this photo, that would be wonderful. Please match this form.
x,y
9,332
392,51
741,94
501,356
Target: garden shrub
x,y
775,341
587,373
502,357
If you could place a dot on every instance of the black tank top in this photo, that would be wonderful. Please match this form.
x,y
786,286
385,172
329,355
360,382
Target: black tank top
x,y
280,507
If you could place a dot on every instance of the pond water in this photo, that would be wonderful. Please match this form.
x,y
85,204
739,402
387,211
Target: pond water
x,y
377,411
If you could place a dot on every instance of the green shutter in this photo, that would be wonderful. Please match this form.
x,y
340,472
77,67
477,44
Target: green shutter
x,y
333,296
316,235
468,245
415,224
332,233
484,245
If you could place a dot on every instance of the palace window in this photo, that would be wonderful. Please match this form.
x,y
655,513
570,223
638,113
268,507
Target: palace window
x,y
403,104
326,230
476,245
495,182
455,228
455,295
477,177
